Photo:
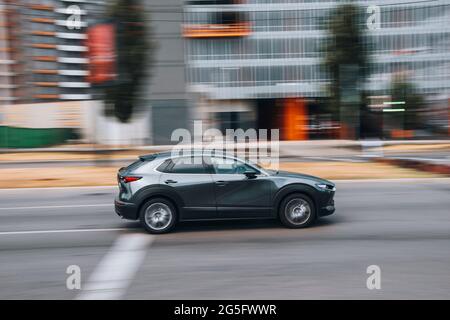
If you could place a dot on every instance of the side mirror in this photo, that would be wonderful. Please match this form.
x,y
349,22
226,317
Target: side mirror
x,y
250,174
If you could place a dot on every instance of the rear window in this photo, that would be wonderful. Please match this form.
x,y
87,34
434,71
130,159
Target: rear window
x,y
164,167
140,162
135,165
183,165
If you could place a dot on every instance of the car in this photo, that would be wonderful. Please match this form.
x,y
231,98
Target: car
x,y
162,189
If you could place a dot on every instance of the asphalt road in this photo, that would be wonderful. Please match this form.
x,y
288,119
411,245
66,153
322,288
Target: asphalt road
x,y
403,226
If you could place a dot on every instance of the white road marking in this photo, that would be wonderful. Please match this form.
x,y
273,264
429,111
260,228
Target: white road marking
x,y
59,207
8,233
112,277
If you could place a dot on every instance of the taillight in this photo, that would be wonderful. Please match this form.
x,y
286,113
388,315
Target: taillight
x,y
127,179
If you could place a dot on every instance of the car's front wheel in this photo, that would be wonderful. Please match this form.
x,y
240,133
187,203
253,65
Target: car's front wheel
x,y
297,211
158,215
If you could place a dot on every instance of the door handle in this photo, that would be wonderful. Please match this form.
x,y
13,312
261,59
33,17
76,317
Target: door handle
x,y
170,181
221,183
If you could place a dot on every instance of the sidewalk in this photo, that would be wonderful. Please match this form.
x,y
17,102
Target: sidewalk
x,y
71,176
331,159
311,148
426,165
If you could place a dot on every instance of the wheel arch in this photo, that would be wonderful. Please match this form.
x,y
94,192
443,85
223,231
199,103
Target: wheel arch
x,y
148,193
292,189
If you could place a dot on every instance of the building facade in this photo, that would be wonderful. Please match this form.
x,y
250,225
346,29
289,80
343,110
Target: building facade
x,y
44,52
232,63
43,58
259,62
9,72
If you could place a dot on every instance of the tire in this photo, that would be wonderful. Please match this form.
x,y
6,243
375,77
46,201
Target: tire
x,y
154,223
297,211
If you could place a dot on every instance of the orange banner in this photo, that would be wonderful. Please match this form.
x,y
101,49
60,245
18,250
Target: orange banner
x,y
101,53
295,119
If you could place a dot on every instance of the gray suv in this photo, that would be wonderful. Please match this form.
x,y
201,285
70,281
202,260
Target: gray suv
x,y
162,189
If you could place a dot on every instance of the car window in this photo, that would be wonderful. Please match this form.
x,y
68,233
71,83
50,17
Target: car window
x,y
165,166
230,166
185,165
135,165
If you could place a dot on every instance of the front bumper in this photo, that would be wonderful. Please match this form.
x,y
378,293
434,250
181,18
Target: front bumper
x,y
326,203
126,210
328,209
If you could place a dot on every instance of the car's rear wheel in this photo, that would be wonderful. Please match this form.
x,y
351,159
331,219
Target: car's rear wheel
x,y
297,211
158,215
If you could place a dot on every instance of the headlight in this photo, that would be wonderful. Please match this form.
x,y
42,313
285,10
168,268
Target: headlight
x,y
327,187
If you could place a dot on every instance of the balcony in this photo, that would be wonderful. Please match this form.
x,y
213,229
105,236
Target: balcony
x,y
240,29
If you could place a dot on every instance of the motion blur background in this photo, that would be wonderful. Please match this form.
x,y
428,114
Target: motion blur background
x,y
129,72
360,93
343,81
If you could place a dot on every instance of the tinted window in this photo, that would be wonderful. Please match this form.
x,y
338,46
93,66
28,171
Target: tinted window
x,y
185,165
230,166
135,165
165,166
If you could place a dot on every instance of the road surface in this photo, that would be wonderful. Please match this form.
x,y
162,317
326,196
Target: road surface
x,y
402,226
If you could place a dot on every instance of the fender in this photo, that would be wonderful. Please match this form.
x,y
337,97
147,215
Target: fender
x,y
292,188
157,190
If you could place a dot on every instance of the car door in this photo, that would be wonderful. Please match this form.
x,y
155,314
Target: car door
x,y
193,183
238,195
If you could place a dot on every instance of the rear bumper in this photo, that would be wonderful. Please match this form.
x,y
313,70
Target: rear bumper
x,y
126,210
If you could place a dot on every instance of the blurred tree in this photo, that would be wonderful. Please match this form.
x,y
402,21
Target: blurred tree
x,y
404,91
346,61
134,51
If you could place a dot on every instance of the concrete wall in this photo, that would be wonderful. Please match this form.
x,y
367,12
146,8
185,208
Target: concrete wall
x,y
46,124
96,127
165,93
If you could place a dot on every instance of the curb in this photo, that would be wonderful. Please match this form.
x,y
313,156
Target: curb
x,y
418,165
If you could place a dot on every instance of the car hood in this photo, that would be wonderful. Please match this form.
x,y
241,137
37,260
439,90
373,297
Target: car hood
x,y
287,174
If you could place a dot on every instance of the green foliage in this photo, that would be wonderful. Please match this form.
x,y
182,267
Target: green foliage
x,y
345,47
402,90
134,49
